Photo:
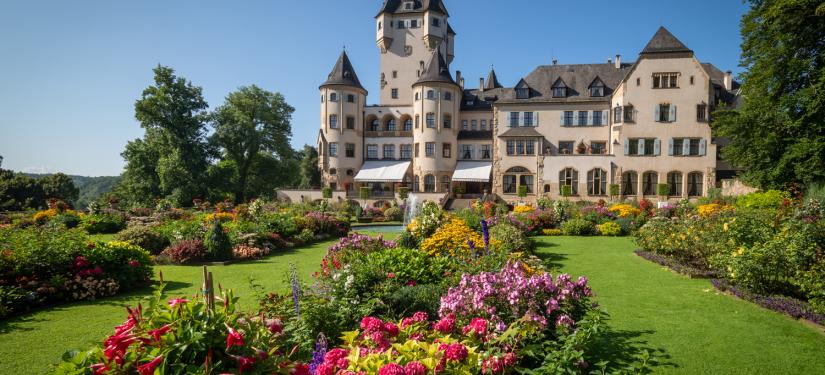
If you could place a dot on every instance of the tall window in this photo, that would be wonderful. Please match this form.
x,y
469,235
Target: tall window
x,y
515,177
447,150
333,121
630,180
333,150
629,114
474,125
391,125
701,112
372,151
417,121
511,147
408,124
514,117
486,151
582,118
617,114
597,118
466,152
649,181
445,183
374,125
389,151
695,184
528,119
417,187
448,122
431,120
569,177
416,150
567,118
597,182
597,89
429,149
406,151
665,80
350,98
350,122
448,96
674,184
665,112
464,125
483,124
509,183
350,150
429,183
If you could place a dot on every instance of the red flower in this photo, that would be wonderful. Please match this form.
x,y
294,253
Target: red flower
x,y
370,324
274,326
446,324
392,369
300,369
245,364
99,368
415,368
149,368
477,326
391,329
456,352
134,263
115,346
157,333
390,275
411,283
177,301
234,338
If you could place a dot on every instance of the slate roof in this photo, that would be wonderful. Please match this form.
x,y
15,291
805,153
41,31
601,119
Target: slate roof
x,y
522,131
492,81
664,42
471,135
436,70
396,6
343,74
480,101
577,78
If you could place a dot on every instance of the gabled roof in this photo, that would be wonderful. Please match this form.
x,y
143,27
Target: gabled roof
x,y
436,70
396,6
343,73
664,42
559,83
492,81
596,81
522,131
576,77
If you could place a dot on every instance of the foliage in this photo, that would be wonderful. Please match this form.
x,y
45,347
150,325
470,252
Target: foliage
x,y
552,232
430,218
185,252
624,210
20,192
59,186
246,252
662,190
144,237
578,227
310,174
610,229
185,336
217,244
524,209
506,238
773,199
104,223
777,134
452,238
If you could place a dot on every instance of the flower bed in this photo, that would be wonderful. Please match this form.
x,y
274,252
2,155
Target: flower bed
x,y
692,271
786,305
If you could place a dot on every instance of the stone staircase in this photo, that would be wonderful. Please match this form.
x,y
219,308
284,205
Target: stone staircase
x,y
457,204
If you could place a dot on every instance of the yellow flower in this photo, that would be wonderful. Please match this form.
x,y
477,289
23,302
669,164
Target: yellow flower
x,y
452,238
525,209
726,227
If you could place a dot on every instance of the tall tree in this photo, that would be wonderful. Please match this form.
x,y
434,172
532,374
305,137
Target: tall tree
x,y
172,158
59,186
778,134
310,174
19,192
252,124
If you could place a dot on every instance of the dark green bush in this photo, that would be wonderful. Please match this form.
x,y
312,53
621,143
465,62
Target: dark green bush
x,y
578,227
104,223
145,237
217,244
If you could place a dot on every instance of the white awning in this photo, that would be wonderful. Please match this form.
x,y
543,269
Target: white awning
x,y
383,171
473,171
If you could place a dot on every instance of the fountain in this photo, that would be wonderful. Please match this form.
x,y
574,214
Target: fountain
x,y
412,208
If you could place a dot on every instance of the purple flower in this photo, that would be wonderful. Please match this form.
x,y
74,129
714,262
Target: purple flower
x,y
472,246
321,347
296,289
486,233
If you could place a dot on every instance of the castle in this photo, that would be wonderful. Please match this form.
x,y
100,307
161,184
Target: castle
x,y
588,131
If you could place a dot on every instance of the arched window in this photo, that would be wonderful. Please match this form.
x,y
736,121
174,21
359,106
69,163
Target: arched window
x,y
448,122
674,184
333,171
630,182
445,184
417,187
597,182
569,177
407,124
391,125
429,183
546,188
333,97
649,181
515,177
695,184
374,125
431,120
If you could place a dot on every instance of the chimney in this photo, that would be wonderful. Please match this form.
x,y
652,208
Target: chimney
x,y
609,61
728,80
458,79
462,83
481,84
618,61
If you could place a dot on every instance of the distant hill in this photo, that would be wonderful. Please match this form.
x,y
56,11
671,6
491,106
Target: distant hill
x,y
91,188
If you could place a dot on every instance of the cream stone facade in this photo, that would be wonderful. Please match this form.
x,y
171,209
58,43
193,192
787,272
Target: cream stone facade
x,y
594,131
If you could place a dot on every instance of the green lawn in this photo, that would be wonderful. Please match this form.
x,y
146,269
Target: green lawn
x,y
701,331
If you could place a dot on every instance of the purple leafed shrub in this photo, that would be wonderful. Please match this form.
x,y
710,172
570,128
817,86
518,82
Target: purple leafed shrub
x,y
693,271
786,305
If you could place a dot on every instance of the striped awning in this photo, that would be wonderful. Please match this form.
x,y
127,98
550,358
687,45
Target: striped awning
x,y
383,171
473,171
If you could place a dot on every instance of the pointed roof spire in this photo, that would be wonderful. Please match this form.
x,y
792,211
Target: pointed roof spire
x,y
492,80
664,42
418,6
436,70
343,73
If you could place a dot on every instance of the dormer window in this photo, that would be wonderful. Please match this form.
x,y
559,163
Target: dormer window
x,y
408,5
522,90
597,88
559,89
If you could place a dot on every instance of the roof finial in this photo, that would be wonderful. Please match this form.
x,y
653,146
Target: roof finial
x,y
345,47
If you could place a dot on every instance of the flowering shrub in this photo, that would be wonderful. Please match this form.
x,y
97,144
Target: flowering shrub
x,y
524,209
578,227
551,232
349,248
145,237
427,222
452,238
223,217
771,199
506,238
710,209
624,210
106,222
184,336
245,252
321,223
610,229
185,252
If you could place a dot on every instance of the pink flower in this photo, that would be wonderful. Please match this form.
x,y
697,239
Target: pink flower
x,y
99,368
245,364
456,352
391,329
177,301
274,326
420,316
564,320
149,368
157,333
134,263
446,324
370,324
234,338
415,368
477,326
390,275
391,369
325,369
334,355
411,283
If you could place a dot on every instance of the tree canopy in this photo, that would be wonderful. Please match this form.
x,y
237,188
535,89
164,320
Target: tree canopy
x,y
778,134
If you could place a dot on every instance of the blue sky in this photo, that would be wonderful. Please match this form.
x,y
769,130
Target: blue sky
x,y
70,71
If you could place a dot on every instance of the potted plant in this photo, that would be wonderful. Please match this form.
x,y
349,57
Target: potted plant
x,y
522,192
403,193
458,191
326,192
567,191
614,191
662,190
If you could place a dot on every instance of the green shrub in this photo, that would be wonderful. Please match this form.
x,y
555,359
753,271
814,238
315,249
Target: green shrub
x,y
662,190
578,227
403,192
610,229
771,199
67,219
145,237
394,214
566,191
510,239
771,267
217,244
306,236
522,191
326,192
128,264
104,223
614,190
408,300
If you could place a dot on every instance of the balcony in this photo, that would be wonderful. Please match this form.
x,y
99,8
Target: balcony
x,y
387,134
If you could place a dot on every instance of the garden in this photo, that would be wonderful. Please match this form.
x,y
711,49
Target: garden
x,y
299,289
